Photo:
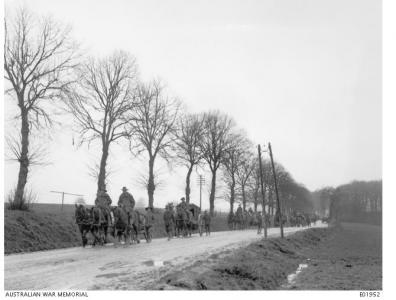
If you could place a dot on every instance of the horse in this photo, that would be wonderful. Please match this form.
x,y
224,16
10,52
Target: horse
x,y
245,219
121,226
314,219
238,220
100,223
207,221
252,218
308,219
84,222
192,222
138,225
301,221
201,224
231,221
269,220
169,221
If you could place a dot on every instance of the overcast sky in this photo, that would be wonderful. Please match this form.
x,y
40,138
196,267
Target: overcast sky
x,y
304,75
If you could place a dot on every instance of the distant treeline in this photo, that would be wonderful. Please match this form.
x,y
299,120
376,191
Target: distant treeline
x,y
358,201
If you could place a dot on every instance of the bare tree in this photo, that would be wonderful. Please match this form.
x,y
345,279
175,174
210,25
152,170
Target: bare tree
x,y
233,161
244,173
254,184
189,136
38,56
100,101
216,141
151,127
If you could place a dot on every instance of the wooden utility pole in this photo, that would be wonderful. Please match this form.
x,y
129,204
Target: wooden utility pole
x,y
63,196
278,203
201,180
262,191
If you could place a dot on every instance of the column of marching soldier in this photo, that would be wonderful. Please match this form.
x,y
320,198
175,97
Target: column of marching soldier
x,y
127,203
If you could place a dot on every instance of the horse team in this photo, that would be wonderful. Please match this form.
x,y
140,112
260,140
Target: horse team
x,y
126,224
187,219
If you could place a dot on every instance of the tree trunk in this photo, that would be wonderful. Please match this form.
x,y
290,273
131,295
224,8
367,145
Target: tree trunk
x,y
243,198
212,193
102,170
150,184
188,190
256,197
265,202
231,207
232,195
23,161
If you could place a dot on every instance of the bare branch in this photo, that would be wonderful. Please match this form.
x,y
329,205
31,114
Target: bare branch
x,y
100,101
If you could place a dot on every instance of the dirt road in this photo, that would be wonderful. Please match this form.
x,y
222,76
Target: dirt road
x,y
131,267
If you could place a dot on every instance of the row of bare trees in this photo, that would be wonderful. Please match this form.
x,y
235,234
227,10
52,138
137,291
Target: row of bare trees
x,y
242,174
109,104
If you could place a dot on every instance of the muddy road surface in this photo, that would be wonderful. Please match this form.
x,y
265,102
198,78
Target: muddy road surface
x,y
132,267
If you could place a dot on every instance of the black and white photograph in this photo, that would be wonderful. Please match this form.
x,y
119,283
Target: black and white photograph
x,y
192,145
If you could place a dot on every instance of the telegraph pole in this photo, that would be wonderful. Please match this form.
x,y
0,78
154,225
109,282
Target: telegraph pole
x,y
201,180
63,196
278,203
262,191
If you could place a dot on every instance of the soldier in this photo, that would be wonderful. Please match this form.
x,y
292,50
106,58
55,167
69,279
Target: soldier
x,y
250,211
239,218
183,204
207,219
259,219
103,201
169,220
239,210
126,202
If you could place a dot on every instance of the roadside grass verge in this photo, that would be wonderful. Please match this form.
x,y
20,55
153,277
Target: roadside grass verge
x,y
347,257
350,260
261,265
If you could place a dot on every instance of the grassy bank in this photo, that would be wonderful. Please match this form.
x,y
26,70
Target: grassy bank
x,y
46,227
350,260
335,258
34,230
260,265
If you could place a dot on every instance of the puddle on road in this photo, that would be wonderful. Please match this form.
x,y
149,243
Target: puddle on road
x,y
291,278
98,246
155,263
111,275
63,261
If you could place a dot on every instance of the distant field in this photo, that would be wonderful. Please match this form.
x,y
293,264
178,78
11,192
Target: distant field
x,y
46,227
